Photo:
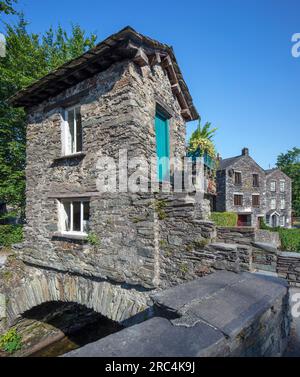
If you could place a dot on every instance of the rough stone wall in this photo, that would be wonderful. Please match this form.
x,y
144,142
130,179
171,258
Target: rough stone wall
x,y
276,176
239,235
117,113
288,267
266,236
221,191
182,236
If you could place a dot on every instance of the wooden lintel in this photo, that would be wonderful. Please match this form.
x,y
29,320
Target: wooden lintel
x,y
155,59
176,89
186,114
166,62
141,58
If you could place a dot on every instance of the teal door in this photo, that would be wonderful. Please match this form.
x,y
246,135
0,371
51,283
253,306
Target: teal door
x,y
162,147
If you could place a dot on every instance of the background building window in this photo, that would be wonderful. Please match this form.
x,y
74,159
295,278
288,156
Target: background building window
x,y
273,203
255,200
282,203
74,216
238,200
282,220
273,186
237,178
282,185
72,142
255,180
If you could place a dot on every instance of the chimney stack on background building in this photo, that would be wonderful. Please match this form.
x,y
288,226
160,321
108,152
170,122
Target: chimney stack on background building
x,y
245,152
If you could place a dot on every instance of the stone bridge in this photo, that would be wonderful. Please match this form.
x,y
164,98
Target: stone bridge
x,y
120,303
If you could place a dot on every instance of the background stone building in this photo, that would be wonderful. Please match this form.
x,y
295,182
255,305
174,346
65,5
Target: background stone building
x,y
126,93
253,193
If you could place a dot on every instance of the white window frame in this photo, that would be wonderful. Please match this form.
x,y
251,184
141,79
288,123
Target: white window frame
x,y
66,134
273,200
282,220
62,215
282,185
282,203
271,186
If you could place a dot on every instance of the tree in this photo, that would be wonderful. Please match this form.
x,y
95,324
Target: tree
x,y
6,6
28,57
289,163
202,139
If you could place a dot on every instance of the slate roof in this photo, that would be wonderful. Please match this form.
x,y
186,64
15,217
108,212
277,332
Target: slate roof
x,y
120,46
227,162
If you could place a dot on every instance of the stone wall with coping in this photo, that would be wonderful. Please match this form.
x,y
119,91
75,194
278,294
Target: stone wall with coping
x,y
223,314
288,267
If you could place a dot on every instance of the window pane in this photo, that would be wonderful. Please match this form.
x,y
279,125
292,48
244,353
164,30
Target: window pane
x,y
86,216
238,178
71,130
78,130
76,216
255,180
67,216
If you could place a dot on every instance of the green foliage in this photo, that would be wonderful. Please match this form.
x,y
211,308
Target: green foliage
x,y
159,207
93,239
289,163
11,341
201,139
290,239
227,219
10,234
29,56
6,6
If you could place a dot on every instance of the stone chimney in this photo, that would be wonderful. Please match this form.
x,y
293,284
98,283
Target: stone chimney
x,y
245,152
219,158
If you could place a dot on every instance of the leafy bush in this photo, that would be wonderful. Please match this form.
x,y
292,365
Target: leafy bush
x,y
290,239
10,234
227,219
11,341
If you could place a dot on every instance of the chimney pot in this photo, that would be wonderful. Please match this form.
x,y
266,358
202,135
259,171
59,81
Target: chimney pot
x,y
245,152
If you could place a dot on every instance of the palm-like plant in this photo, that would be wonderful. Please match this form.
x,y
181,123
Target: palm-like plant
x,y
202,139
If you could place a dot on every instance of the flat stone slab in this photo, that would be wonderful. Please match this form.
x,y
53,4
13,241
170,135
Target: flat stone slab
x,y
224,300
157,337
289,254
174,299
223,246
269,247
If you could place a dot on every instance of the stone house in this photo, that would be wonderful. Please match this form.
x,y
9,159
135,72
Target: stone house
x,y
252,192
127,93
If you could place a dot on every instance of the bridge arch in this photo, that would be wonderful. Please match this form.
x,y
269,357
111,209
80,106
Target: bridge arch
x,y
110,300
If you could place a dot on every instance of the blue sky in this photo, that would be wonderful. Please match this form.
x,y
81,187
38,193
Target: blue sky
x,y
235,56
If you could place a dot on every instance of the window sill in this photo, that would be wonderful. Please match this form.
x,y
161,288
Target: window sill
x,y
68,156
71,236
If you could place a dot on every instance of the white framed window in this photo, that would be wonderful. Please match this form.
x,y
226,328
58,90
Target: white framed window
x,y
282,185
72,131
273,203
282,203
273,186
74,216
282,220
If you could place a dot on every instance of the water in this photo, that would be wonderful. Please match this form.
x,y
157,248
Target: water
x,y
87,334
